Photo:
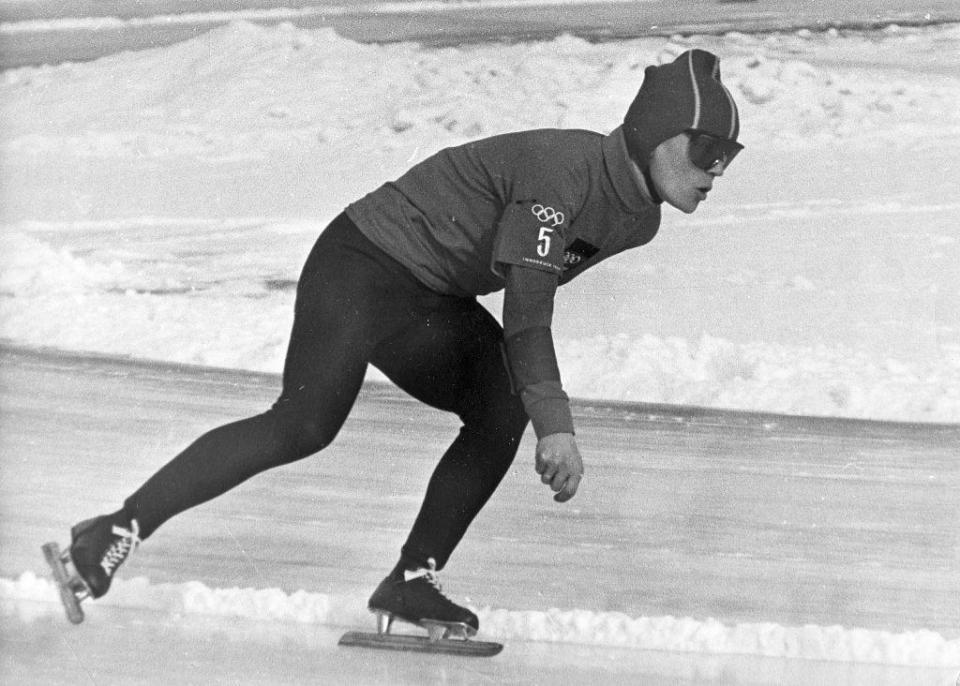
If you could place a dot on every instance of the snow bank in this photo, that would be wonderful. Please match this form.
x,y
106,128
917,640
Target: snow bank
x,y
713,372
160,204
238,84
220,308
39,270
30,597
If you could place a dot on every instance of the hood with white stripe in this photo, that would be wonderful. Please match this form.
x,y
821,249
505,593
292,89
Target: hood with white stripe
x,y
675,97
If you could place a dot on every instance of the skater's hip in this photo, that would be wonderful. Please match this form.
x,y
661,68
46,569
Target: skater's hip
x,y
343,255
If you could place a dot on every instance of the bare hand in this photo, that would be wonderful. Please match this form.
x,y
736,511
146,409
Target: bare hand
x,y
559,465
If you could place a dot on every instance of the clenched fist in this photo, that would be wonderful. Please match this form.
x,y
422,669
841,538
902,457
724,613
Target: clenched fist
x,y
559,465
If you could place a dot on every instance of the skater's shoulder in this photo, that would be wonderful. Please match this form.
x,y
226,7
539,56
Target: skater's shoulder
x,y
569,161
558,141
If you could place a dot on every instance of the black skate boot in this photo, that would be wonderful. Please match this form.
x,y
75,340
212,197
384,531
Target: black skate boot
x,y
415,597
98,547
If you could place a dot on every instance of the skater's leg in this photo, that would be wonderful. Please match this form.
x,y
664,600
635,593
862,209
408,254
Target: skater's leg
x,y
350,295
335,326
226,457
452,360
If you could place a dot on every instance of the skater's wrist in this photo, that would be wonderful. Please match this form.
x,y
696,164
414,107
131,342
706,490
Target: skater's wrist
x,y
549,415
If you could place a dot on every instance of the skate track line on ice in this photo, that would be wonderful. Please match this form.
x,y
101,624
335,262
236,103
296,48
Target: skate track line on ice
x,y
269,565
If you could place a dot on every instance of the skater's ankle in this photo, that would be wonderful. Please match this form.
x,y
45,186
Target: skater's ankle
x,y
146,518
125,521
406,564
121,518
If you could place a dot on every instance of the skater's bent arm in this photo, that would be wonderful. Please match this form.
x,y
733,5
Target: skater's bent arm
x,y
527,315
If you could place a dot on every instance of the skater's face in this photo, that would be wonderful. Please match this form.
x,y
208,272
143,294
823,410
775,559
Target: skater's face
x,y
678,180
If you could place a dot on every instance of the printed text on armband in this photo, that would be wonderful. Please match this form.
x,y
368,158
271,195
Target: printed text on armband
x,y
541,263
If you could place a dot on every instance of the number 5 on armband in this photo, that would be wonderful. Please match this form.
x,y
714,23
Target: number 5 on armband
x,y
543,242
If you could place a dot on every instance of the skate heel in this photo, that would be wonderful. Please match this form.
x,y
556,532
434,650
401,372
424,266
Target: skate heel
x,y
384,620
447,630
71,585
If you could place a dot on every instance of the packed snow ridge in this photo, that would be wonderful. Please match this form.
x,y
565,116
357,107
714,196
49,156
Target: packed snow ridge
x,y
30,598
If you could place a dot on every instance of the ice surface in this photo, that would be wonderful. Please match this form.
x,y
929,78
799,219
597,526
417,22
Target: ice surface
x,y
703,546
290,14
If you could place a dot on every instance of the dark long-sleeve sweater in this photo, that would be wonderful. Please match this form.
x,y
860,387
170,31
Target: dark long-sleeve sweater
x,y
526,212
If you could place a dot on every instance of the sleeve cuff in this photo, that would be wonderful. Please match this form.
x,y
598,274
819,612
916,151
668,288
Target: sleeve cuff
x,y
548,415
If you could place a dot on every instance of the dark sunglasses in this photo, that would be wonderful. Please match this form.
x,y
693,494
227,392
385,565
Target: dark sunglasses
x,y
706,151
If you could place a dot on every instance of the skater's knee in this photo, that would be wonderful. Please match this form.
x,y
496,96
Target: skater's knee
x,y
301,435
313,436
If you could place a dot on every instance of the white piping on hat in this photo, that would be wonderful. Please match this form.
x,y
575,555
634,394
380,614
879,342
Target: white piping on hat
x,y
696,92
734,115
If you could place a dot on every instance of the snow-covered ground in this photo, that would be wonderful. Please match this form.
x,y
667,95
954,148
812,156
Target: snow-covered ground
x,y
159,204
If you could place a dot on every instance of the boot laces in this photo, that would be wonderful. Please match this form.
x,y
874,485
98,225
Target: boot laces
x,y
127,540
428,573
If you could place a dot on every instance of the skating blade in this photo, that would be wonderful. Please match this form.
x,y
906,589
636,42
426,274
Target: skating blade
x,y
420,644
64,581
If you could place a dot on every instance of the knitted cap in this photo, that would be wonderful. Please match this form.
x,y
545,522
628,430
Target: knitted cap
x,y
684,94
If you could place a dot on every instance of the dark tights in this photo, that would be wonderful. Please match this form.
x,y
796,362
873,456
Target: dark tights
x,y
355,305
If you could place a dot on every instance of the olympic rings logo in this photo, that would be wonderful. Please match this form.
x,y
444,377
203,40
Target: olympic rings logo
x,y
547,214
